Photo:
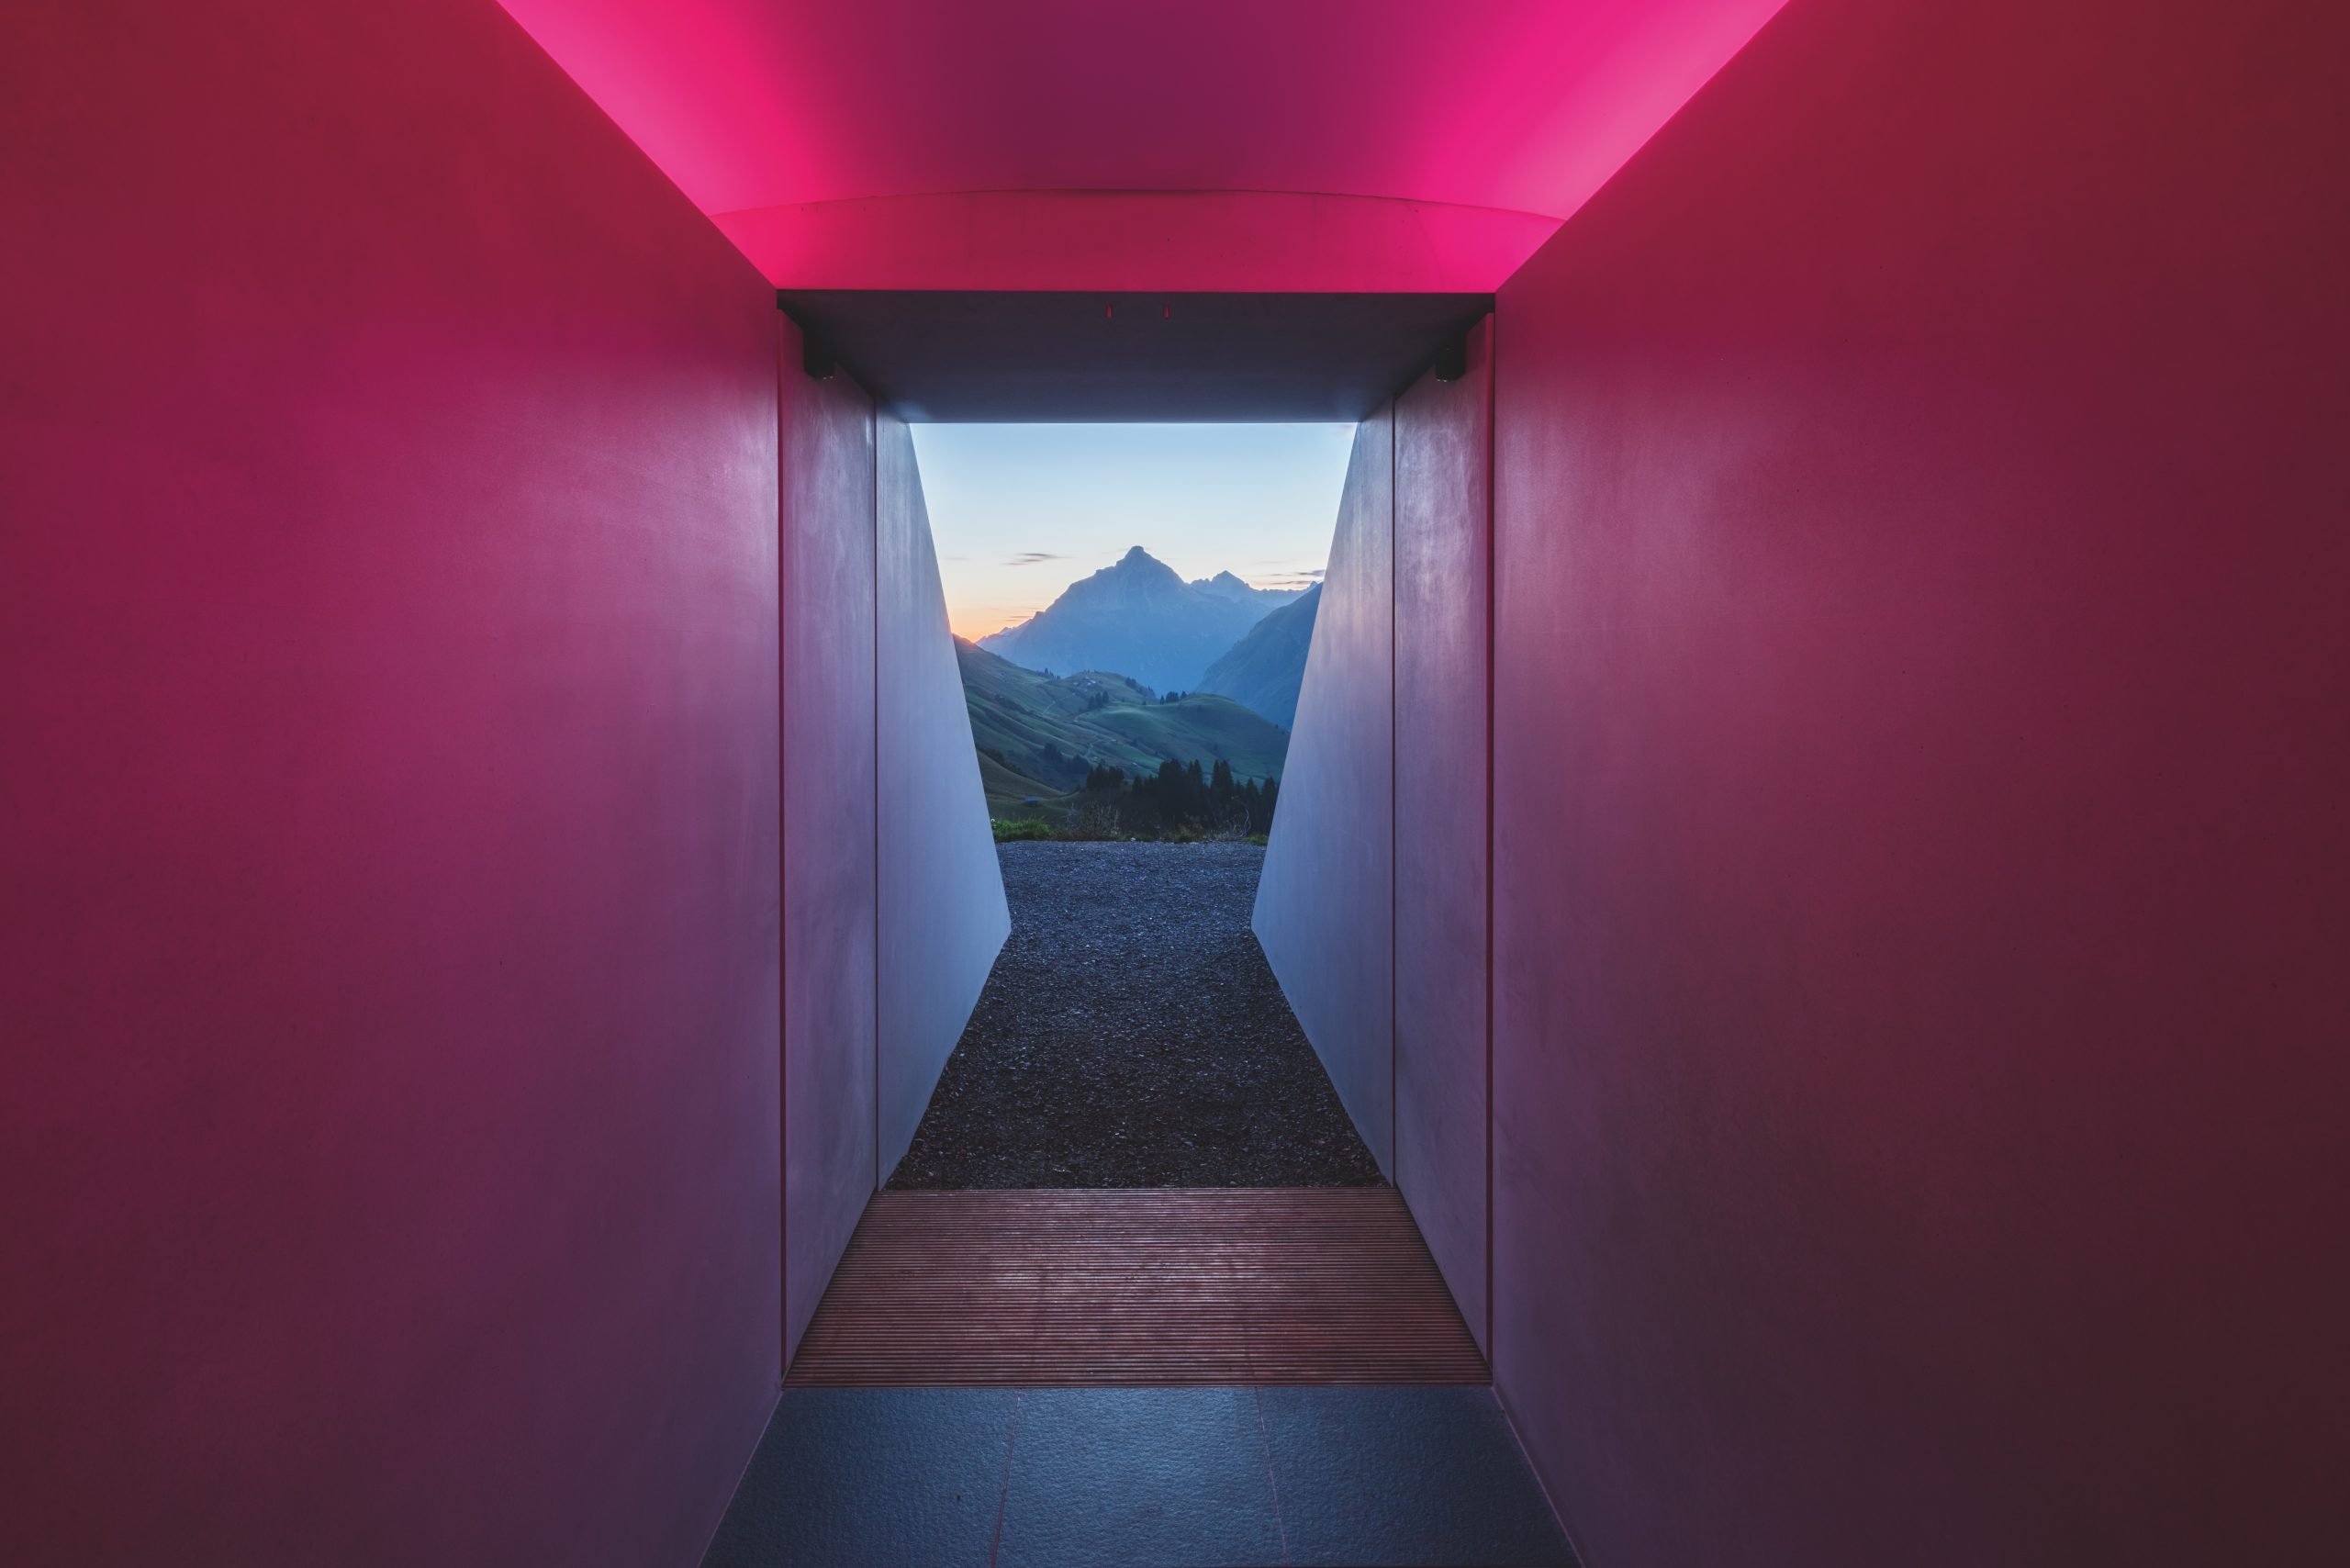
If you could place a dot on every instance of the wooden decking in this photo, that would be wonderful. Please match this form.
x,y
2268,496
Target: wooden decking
x,y
1055,1287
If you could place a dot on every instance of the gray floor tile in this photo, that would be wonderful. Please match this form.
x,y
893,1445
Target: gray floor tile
x,y
1406,1478
1139,1478
871,1478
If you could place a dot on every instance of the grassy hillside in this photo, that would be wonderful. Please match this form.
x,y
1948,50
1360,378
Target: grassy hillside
x,y
1010,792
1204,727
1265,669
1045,731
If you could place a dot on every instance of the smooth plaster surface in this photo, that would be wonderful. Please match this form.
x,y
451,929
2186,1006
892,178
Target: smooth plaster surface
x,y
1921,868
1443,561
1324,899
831,1041
387,803
942,913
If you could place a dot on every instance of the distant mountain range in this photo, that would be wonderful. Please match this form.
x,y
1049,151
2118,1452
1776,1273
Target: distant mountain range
x,y
1139,618
1224,586
1265,668
1037,735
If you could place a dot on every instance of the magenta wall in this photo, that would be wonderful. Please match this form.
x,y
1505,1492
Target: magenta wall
x,y
388,823
942,914
1443,562
1920,755
828,883
1327,893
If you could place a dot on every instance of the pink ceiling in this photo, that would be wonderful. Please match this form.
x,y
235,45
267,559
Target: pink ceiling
x,y
1517,105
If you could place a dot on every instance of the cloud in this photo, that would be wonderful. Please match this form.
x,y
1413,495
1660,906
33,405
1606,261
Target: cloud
x,y
1034,558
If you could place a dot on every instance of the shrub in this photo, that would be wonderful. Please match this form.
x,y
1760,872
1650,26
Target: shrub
x,y
1094,821
1018,832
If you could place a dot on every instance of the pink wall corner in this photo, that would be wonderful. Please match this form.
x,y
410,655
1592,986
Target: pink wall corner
x,y
829,939
1921,861
1330,862
1443,561
387,824
942,914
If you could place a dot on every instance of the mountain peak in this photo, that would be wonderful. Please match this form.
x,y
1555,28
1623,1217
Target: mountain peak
x,y
1138,618
1233,589
1138,571
1266,669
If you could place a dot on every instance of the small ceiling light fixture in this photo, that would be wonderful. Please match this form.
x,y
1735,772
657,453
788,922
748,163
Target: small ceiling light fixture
x,y
1452,359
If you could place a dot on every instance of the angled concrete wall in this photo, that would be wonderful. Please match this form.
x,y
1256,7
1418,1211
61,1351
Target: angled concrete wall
x,y
830,1032
942,914
1920,758
1326,893
1443,561
387,803
1372,904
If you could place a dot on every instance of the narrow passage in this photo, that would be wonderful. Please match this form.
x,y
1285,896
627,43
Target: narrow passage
x,y
1132,1034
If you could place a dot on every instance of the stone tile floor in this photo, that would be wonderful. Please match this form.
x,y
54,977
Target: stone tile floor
x,y
1365,1477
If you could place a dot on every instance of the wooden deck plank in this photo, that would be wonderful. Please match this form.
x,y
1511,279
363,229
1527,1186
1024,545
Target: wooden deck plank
x,y
1063,1287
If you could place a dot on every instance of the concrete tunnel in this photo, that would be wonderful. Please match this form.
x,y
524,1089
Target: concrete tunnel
x,y
1847,975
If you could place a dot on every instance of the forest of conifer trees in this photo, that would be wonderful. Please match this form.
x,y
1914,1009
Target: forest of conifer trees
x,y
1180,800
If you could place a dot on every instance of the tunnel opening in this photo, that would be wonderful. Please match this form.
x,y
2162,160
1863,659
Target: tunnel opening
x,y
1130,696
1172,1062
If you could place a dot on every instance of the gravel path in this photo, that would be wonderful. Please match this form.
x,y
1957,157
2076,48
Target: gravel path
x,y
1132,1035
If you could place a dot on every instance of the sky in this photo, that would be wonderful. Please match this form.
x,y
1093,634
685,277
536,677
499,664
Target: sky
x,y
1020,511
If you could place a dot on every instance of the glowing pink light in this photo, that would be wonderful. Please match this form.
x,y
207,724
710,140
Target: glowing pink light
x,y
912,116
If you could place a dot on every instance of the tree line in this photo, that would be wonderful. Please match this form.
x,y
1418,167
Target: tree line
x,y
1179,796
